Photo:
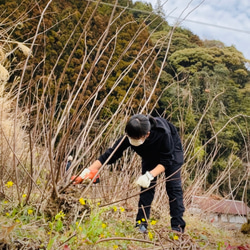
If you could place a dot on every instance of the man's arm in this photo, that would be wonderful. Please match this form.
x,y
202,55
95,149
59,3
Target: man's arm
x,y
157,170
95,165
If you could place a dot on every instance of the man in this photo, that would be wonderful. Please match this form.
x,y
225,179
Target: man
x,y
159,145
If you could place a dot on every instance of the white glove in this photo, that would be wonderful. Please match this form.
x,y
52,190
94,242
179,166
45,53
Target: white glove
x,y
85,172
144,180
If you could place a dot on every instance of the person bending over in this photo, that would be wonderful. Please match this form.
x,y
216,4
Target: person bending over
x,y
157,142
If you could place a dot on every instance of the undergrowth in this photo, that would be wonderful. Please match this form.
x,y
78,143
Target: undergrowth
x,y
25,227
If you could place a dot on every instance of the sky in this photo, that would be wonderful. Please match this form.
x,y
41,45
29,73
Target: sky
x,y
227,21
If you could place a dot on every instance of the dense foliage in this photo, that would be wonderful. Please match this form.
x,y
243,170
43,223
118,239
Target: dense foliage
x,y
77,48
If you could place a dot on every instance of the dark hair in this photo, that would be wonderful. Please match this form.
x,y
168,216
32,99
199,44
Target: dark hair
x,y
138,126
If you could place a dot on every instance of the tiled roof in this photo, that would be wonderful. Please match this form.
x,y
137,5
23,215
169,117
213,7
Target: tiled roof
x,y
223,206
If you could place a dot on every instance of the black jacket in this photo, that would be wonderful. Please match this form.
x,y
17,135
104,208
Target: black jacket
x,y
163,146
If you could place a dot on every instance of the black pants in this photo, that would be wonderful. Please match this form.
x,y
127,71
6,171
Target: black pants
x,y
175,194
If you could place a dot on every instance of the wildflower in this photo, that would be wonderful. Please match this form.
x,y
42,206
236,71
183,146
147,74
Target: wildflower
x,y
24,195
30,211
150,235
17,221
99,203
9,184
143,219
7,214
176,237
82,201
122,209
5,202
102,236
115,247
153,222
104,225
139,222
60,215
114,208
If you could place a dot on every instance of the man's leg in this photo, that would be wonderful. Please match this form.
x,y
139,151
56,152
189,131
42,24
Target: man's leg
x,y
175,194
144,205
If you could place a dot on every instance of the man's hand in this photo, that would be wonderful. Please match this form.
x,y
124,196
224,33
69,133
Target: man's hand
x,y
144,180
86,174
77,180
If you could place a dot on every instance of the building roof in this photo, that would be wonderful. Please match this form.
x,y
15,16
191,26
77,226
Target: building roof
x,y
223,206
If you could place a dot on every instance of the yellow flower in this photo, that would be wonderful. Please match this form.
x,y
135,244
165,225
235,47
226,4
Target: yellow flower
x,y
17,221
150,235
99,203
77,223
60,215
114,208
104,225
9,184
7,214
153,222
82,201
30,211
139,222
176,237
24,195
115,247
5,202
122,209
142,219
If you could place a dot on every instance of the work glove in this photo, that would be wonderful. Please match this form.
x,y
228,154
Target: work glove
x,y
86,174
145,179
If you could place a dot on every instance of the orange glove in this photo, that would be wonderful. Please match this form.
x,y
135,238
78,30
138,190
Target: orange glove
x,y
91,174
77,180
86,174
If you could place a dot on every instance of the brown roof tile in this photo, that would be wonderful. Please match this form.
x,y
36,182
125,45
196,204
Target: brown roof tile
x,y
223,206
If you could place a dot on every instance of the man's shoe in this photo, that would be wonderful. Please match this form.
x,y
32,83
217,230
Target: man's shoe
x,y
142,229
178,229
